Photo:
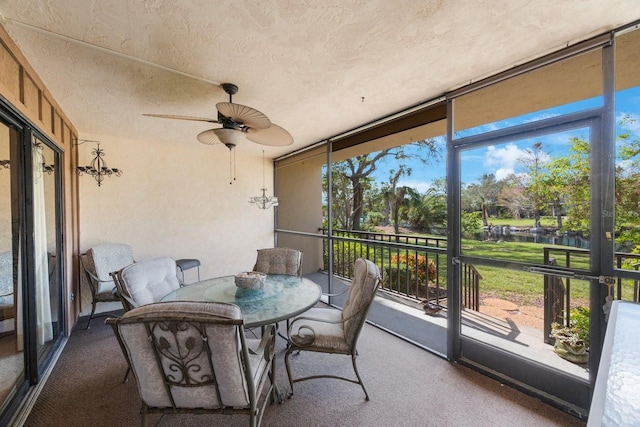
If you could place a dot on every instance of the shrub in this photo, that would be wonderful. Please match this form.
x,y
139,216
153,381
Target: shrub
x,y
425,266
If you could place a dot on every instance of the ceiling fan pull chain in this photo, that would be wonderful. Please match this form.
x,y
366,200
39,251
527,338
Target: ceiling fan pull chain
x,y
232,165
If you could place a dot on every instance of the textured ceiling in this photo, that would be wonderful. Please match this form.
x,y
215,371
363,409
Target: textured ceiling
x,y
316,68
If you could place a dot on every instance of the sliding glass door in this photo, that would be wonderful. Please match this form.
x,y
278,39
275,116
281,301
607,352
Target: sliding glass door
x,y
31,279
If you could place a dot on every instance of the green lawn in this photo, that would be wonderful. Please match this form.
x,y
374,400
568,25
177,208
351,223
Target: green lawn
x,y
545,221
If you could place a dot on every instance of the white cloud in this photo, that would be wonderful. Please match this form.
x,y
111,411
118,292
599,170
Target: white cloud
x,y
418,185
504,159
502,173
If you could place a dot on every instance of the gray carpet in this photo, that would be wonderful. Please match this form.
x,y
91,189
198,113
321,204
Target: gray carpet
x,y
408,387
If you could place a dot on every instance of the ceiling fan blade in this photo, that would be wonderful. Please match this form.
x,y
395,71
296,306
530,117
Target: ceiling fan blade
x,y
208,137
274,135
246,115
193,118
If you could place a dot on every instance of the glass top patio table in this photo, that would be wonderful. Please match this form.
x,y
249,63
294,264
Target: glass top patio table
x,y
281,297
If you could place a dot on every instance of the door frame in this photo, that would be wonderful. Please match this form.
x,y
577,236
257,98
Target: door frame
x,y
560,389
35,365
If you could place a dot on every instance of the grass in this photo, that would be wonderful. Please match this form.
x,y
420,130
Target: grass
x,y
545,221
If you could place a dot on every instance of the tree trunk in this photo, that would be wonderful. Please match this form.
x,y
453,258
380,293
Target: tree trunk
x,y
558,212
484,215
357,204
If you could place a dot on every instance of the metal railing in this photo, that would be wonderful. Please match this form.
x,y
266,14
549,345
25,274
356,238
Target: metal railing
x,y
557,291
415,267
411,266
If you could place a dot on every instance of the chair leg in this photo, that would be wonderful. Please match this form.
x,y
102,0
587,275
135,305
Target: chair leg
x,y
284,336
126,375
355,369
286,364
93,310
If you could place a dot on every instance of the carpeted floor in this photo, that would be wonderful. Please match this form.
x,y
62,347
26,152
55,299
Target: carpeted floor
x,y
408,387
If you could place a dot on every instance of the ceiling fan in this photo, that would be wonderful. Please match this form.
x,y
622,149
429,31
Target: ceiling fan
x,y
238,122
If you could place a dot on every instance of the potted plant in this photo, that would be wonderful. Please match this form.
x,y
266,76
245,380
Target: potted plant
x,y
572,342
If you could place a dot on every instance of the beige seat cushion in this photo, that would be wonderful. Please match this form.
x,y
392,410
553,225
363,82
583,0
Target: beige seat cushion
x,y
149,280
326,336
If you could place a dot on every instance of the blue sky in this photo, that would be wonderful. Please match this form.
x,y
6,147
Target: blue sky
x,y
502,160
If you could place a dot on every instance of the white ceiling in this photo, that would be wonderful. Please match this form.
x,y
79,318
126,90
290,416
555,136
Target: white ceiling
x,y
316,68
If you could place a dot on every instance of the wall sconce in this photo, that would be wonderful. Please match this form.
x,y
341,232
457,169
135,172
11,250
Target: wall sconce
x,y
263,202
98,168
5,164
43,166
48,168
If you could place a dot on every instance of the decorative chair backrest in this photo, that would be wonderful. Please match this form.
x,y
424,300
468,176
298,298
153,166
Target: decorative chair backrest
x,y
147,281
279,261
101,260
361,293
187,354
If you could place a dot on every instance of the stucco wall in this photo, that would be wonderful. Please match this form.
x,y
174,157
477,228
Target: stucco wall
x,y
300,208
175,200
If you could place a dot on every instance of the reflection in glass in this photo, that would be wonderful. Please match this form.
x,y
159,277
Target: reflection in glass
x,y
11,356
45,246
41,250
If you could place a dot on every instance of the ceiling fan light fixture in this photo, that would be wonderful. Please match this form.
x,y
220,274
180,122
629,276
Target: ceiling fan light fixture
x,y
229,137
